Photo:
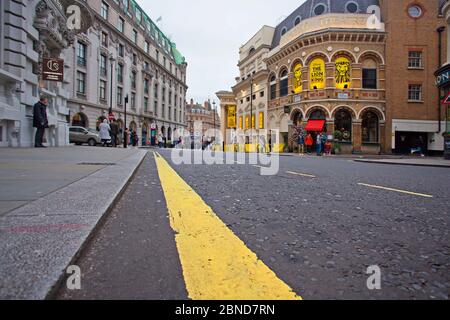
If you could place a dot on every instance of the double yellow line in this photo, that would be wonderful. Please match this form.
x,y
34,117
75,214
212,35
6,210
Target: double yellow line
x,y
216,264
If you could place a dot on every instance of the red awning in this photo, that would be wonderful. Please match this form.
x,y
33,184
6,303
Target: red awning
x,y
315,125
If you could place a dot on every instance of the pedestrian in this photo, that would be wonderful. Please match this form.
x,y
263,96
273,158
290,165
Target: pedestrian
x,y
40,121
319,144
160,141
164,141
114,133
324,139
135,139
309,143
301,143
104,132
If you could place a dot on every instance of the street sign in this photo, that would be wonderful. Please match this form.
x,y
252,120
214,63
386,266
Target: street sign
x,y
53,70
446,100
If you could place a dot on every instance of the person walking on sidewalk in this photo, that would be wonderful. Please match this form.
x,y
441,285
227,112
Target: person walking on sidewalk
x,y
40,121
319,144
114,133
323,137
104,132
309,143
301,143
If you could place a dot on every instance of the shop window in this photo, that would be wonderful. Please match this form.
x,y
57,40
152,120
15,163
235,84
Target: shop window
x,y
284,82
343,123
370,128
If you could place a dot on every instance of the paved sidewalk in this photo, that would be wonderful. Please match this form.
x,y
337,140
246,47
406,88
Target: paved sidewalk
x,y
40,239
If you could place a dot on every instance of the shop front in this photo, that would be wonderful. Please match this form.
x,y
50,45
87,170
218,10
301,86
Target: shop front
x,y
443,83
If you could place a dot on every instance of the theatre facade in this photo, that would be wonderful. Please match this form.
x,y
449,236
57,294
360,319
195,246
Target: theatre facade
x,y
327,74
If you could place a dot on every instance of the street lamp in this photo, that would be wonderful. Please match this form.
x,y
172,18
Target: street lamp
x,y
125,135
214,114
111,59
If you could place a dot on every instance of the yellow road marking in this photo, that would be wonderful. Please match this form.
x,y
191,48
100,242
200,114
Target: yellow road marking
x,y
301,174
396,190
216,264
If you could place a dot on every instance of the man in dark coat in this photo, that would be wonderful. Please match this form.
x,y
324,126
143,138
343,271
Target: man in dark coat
x,y
114,132
40,121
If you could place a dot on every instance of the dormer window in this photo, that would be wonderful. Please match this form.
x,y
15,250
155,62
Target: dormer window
x,y
320,9
297,21
283,31
351,7
252,51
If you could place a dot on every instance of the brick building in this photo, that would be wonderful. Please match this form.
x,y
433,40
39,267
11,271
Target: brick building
x,y
349,69
206,114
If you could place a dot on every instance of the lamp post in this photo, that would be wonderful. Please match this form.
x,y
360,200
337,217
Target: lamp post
x,y
111,59
125,135
214,114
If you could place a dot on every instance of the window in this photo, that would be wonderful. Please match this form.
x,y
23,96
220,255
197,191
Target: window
x,y
343,124
156,91
103,71
120,73
297,21
170,98
121,50
147,47
164,94
119,96
351,7
320,9
81,82
145,104
104,10
370,128
81,54
283,31
102,90
146,86
134,59
415,92
261,94
369,78
135,36
157,55
163,110
273,88
104,39
121,25
133,101
164,62
155,108
415,11
415,60
284,84
133,80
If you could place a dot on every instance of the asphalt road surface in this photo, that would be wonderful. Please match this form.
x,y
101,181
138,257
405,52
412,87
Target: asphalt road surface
x,y
311,231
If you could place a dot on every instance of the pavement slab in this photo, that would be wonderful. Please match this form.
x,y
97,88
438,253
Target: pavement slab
x,y
39,240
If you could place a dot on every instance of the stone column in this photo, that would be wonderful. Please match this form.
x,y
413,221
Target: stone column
x,y
357,136
330,126
382,138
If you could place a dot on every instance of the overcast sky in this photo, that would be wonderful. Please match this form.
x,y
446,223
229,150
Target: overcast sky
x,y
209,33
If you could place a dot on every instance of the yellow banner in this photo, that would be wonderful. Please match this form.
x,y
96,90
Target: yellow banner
x,y
317,74
247,122
231,117
297,80
343,73
241,122
261,120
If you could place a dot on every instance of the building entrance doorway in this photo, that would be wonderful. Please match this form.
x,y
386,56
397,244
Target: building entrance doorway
x,y
406,141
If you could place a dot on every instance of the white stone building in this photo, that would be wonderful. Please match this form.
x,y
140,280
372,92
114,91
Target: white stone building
x,y
145,65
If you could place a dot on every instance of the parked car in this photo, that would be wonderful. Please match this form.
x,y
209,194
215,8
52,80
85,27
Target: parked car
x,y
80,135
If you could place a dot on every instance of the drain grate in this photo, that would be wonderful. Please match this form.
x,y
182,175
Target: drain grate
x,y
96,164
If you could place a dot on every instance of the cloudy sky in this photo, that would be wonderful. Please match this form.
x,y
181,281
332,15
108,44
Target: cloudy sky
x,y
209,33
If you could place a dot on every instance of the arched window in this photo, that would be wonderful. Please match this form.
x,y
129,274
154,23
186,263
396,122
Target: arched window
x,y
252,51
297,21
283,31
370,74
318,115
343,124
273,87
370,127
284,83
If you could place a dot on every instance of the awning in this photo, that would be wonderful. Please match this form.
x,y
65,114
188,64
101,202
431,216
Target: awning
x,y
315,125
